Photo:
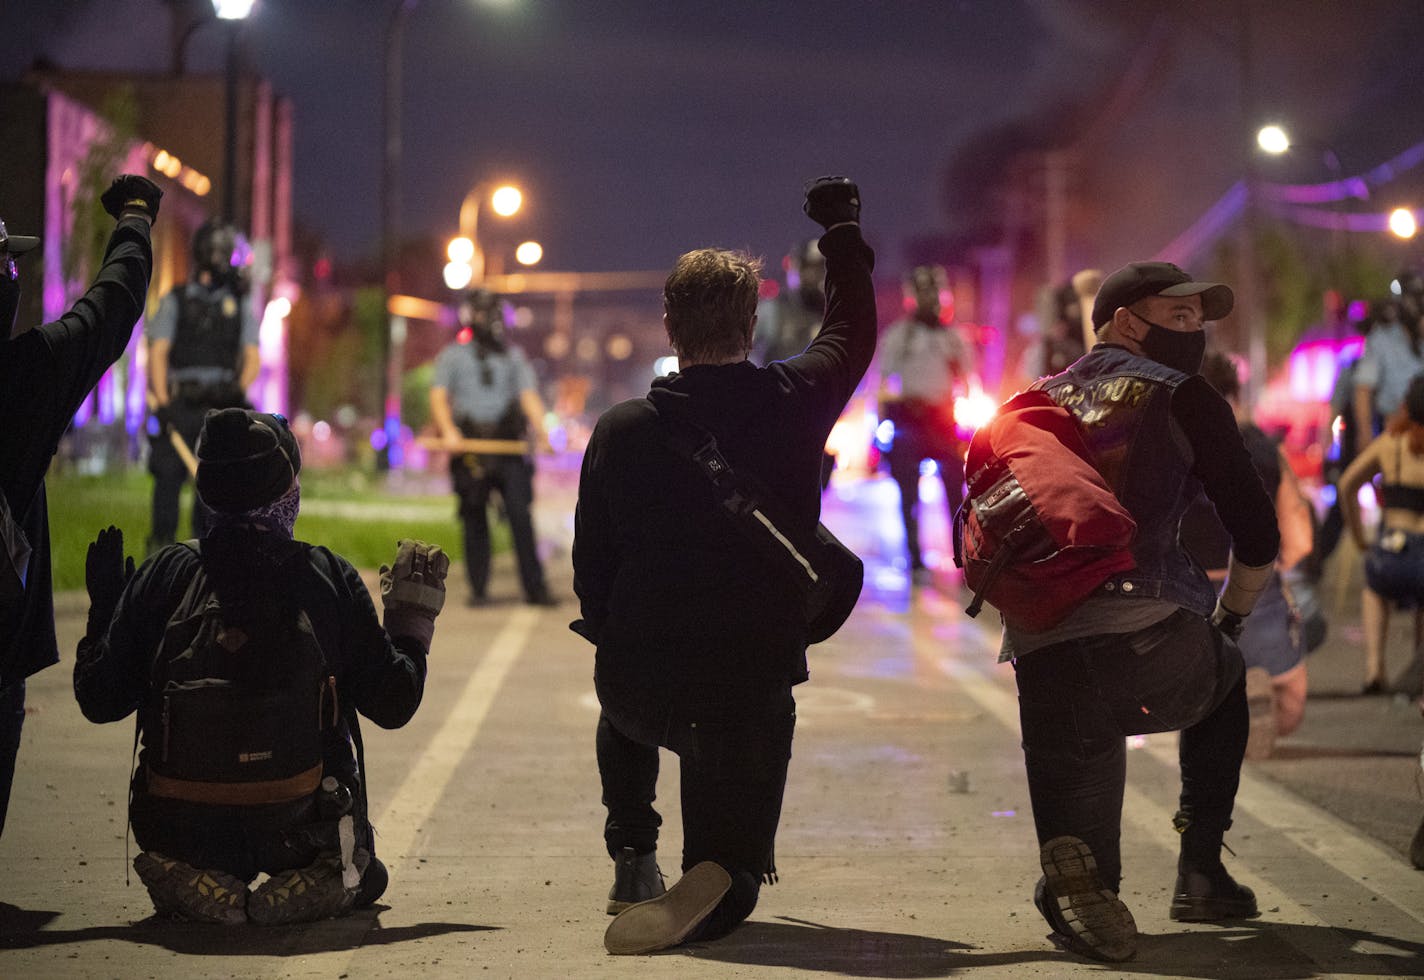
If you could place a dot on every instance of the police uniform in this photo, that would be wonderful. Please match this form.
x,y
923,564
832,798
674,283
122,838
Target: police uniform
x,y
208,327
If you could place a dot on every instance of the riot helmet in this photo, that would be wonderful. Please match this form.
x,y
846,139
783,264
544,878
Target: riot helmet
x,y
11,246
216,253
806,273
481,312
928,288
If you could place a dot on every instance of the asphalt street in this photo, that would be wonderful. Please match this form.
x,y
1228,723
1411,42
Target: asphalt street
x,y
906,847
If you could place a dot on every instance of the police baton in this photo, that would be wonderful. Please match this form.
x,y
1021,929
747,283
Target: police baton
x,y
489,447
180,446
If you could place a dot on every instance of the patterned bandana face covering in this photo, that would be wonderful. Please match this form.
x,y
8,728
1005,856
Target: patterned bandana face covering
x,y
280,515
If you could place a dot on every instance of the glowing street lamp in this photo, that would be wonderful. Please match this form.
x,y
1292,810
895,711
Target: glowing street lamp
x,y
505,200
529,253
1273,139
1403,223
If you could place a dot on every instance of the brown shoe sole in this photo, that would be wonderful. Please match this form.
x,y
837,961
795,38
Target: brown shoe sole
x,y
665,921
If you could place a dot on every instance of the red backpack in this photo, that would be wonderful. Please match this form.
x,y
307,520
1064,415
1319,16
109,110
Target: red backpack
x,y
1040,530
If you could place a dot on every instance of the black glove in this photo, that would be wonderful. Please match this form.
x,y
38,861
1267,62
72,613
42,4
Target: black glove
x,y
133,192
106,572
164,414
832,201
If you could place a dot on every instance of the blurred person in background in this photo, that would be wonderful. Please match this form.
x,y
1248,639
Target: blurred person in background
x,y
1060,339
1272,640
46,373
484,388
1394,563
1393,354
787,323
923,362
202,354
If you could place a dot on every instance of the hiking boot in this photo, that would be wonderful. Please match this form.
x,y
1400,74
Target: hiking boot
x,y
301,895
1087,918
194,894
636,878
1261,704
670,918
1209,896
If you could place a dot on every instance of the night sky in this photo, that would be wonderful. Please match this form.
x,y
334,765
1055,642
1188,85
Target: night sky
x,y
642,128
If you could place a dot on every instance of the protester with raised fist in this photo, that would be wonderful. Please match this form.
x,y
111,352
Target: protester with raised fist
x,y
45,375
699,643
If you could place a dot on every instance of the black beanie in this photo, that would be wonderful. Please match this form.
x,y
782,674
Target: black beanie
x,y
246,459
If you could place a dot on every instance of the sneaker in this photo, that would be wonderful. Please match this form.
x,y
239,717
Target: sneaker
x,y
1209,896
193,894
1261,704
541,599
301,895
636,878
670,918
1087,918
922,577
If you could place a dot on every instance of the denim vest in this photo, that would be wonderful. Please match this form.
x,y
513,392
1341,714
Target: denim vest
x,y
1123,403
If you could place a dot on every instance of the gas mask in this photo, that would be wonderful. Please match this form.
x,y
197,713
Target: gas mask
x,y
216,248
480,311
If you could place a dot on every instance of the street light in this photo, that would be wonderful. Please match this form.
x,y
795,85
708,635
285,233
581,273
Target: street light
x,y
505,200
529,253
234,12
1403,224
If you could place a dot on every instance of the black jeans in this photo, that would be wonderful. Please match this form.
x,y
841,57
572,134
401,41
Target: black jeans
x,y
12,720
908,450
733,780
1080,699
473,477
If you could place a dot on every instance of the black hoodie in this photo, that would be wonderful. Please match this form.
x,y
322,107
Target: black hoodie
x,y
680,608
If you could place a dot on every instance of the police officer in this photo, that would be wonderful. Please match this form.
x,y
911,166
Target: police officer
x,y
927,359
484,388
202,354
787,323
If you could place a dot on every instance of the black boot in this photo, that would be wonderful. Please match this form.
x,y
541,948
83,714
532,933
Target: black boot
x,y
1205,890
636,878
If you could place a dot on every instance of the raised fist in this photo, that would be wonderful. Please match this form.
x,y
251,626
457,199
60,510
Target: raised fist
x,y
832,201
130,191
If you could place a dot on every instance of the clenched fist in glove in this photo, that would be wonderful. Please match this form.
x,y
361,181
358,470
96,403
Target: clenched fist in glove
x,y
413,591
106,572
832,201
130,192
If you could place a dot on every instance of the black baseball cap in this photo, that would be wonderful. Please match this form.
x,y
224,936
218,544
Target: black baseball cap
x,y
15,244
1139,280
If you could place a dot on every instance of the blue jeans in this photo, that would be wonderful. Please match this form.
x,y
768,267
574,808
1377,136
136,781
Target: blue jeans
x,y
1079,700
733,780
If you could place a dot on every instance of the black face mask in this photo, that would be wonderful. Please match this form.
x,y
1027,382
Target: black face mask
x,y
1179,349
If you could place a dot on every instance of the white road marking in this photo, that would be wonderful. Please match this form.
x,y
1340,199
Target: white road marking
x,y
415,800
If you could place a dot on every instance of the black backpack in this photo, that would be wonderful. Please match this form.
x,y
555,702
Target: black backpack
x,y
240,696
